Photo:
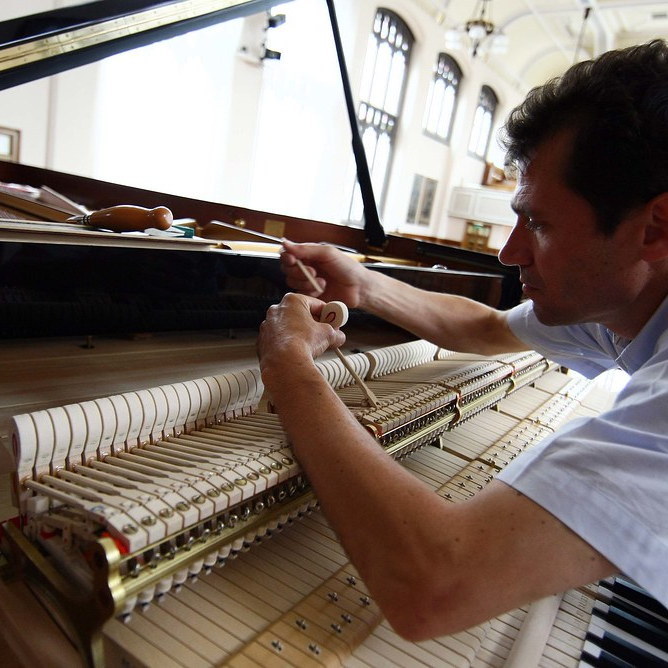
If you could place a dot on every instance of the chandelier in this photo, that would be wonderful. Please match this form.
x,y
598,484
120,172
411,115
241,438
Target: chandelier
x,y
480,32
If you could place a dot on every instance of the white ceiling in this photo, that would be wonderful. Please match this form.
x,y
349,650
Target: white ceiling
x,y
543,34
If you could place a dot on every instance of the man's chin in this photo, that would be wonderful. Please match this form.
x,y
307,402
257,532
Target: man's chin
x,y
549,317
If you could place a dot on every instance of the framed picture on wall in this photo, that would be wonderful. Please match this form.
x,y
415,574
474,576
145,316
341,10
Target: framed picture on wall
x,y
9,144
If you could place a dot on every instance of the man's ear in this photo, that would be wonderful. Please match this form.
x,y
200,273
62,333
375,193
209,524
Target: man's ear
x,y
655,242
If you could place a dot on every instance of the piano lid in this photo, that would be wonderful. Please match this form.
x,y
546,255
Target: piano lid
x,y
38,45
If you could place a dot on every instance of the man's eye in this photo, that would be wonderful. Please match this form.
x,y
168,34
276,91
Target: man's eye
x,y
532,224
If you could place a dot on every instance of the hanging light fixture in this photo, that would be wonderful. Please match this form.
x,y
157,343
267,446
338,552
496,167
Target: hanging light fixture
x,y
479,31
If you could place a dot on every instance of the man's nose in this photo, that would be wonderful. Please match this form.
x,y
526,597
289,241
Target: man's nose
x,y
516,250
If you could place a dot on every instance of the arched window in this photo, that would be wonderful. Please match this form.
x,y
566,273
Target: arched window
x,y
442,98
482,122
381,97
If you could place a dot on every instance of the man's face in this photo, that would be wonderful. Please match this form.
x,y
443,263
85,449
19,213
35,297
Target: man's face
x,y
572,271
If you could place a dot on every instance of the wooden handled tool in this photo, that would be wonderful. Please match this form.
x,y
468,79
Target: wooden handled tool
x,y
127,218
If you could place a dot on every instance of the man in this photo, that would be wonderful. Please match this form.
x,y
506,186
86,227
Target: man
x,y
591,242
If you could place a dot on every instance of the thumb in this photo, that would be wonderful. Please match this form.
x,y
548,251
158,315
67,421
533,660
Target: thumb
x,y
337,338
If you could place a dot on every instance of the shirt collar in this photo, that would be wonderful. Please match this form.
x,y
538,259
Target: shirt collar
x,y
633,353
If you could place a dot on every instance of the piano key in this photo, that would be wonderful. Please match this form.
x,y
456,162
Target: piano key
x,y
632,592
592,655
624,645
645,636
641,615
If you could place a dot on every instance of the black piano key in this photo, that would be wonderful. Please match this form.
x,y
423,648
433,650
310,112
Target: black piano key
x,y
625,651
639,596
599,658
642,614
633,625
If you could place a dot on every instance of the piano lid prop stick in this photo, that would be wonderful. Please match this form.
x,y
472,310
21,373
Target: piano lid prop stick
x,y
127,218
336,314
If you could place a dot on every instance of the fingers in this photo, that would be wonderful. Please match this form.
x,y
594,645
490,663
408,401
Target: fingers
x,y
300,277
297,318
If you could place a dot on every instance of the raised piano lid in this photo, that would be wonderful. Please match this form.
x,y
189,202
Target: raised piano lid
x,y
38,45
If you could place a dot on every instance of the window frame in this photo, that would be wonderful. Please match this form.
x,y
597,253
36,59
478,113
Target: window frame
x,y
377,119
448,71
488,101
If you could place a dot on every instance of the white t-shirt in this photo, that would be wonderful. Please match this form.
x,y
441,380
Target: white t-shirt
x,y
606,477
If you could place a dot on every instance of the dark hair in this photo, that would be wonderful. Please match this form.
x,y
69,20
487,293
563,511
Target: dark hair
x,y
617,106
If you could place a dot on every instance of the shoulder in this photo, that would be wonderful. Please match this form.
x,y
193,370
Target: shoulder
x,y
587,348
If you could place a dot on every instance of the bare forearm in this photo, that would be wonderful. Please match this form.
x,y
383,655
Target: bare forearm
x,y
420,556
449,321
367,497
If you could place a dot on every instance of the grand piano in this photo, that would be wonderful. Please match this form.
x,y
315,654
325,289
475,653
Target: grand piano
x,y
92,323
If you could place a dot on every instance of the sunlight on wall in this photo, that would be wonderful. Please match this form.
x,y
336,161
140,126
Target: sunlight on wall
x,y
169,99
303,134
